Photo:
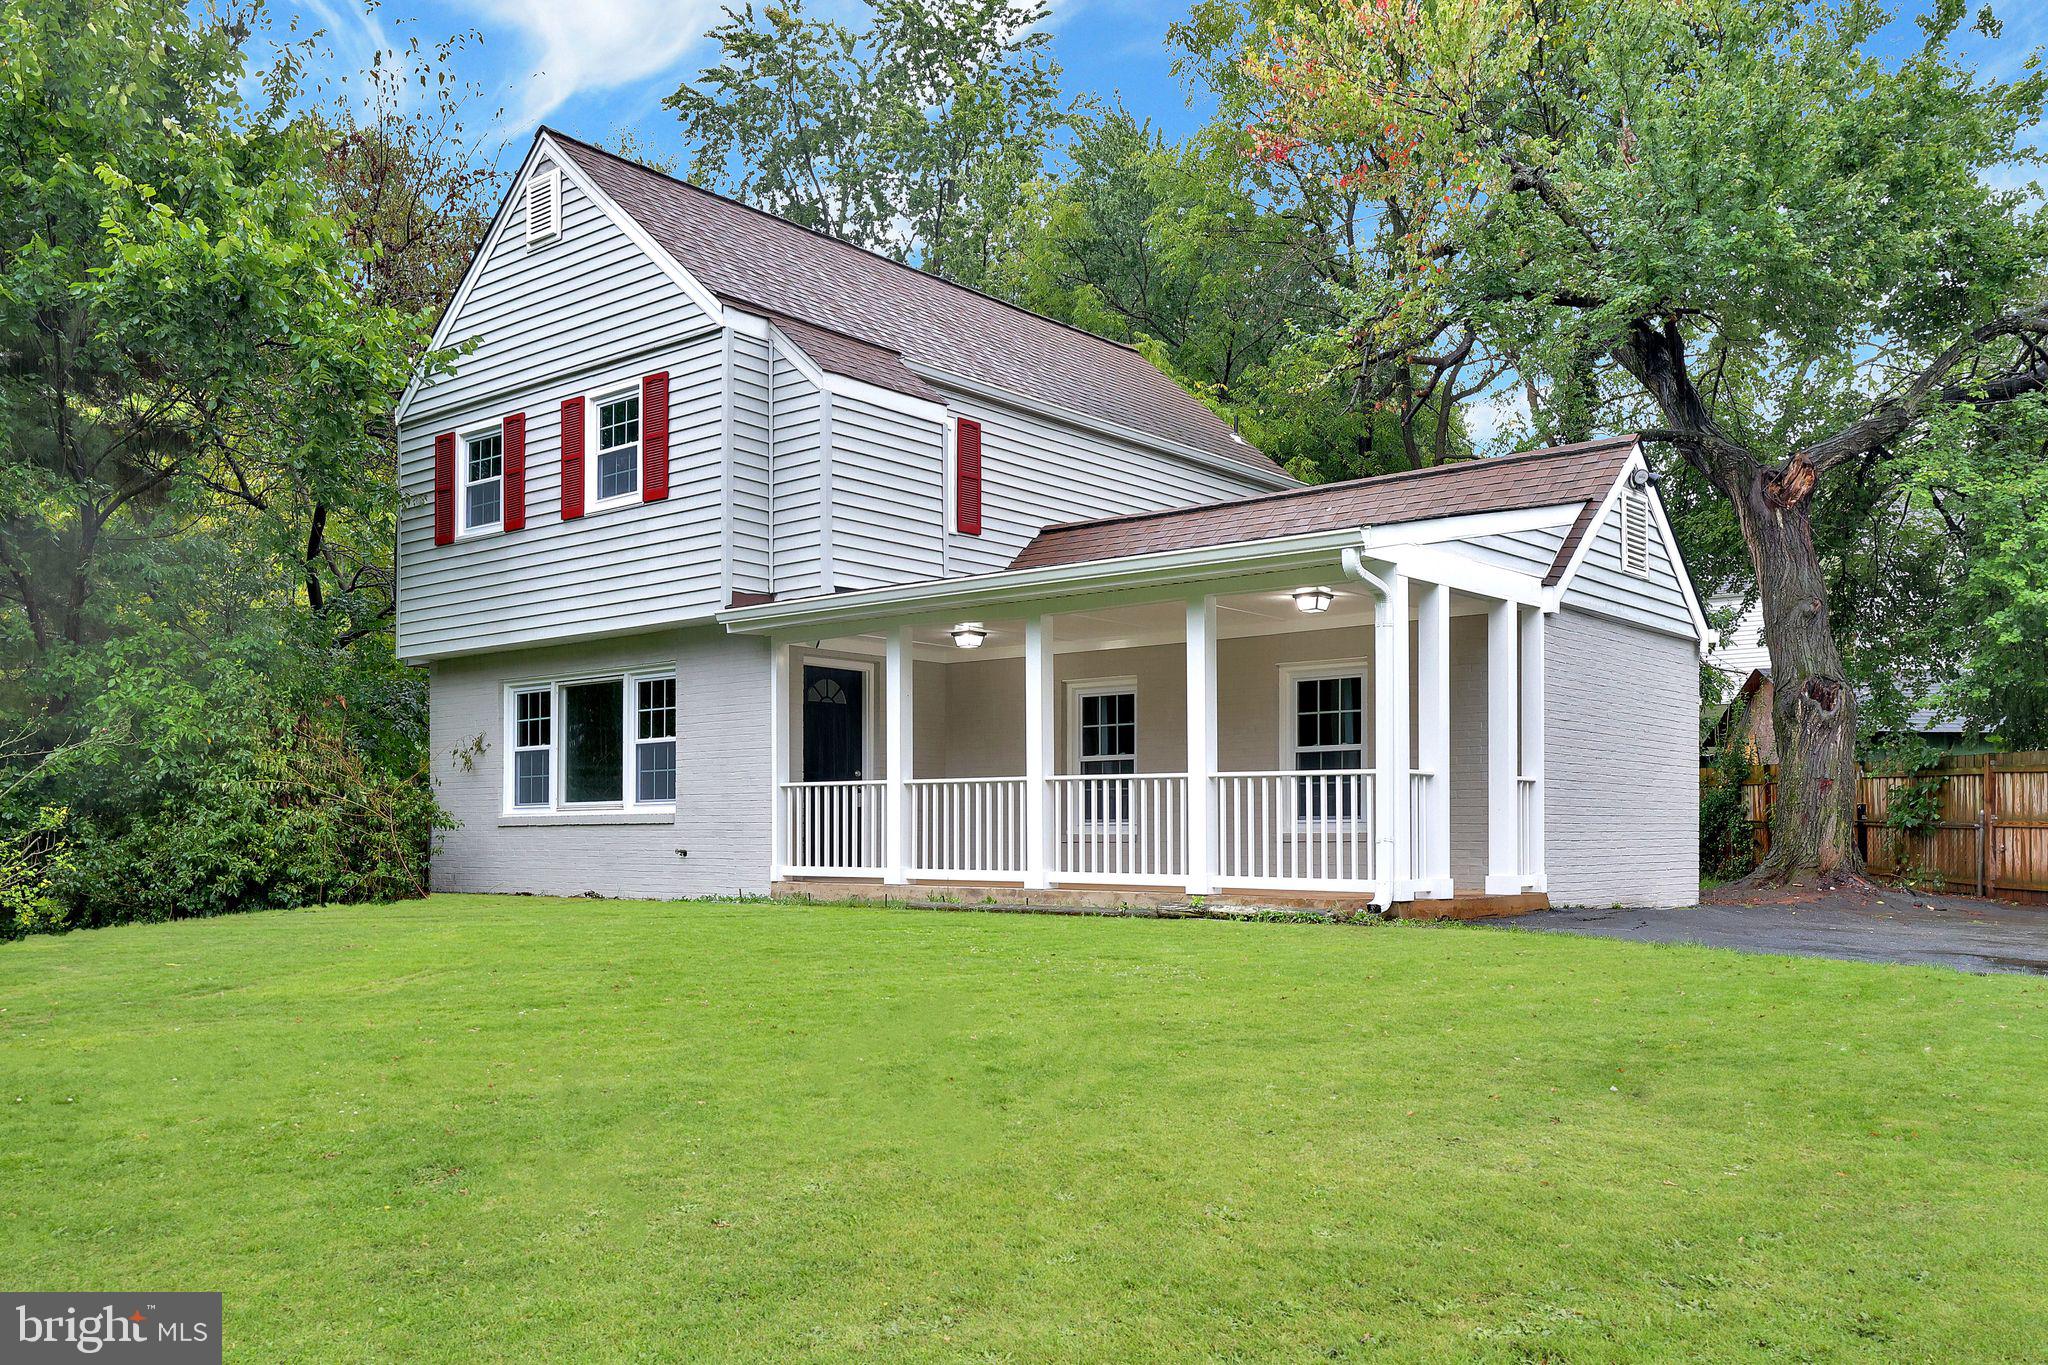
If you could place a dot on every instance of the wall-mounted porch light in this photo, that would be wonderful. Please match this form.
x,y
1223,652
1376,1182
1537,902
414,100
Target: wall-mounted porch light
x,y
1313,600
969,634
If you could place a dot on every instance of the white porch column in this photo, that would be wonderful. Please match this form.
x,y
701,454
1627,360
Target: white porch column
x,y
1433,739
1390,739
1038,755
1201,751
899,669
1531,868
1503,750
778,757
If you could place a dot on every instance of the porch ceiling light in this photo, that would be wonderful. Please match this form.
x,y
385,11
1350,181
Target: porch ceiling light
x,y
969,634
1313,600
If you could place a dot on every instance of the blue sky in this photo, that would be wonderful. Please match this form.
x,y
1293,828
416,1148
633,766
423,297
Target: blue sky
x,y
593,67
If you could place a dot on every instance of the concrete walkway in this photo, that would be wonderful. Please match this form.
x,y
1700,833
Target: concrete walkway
x,y
1947,931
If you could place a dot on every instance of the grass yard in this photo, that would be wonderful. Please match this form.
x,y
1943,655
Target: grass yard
x,y
480,1128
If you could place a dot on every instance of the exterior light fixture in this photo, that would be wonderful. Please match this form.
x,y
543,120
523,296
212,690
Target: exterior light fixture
x,y
969,634
1314,601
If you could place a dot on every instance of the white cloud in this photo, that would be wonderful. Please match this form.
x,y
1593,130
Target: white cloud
x,y
1502,411
570,49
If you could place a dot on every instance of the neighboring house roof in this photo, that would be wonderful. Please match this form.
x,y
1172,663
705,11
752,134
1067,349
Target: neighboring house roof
x,y
1581,473
765,264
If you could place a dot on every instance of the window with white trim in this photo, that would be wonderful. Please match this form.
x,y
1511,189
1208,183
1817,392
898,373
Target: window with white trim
x,y
544,207
483,481
654,743
1635,534
1105,743
583,743
533,748
616,468
1327,735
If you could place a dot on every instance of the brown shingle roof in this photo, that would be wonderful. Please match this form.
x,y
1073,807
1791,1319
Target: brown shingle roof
x,y
838,354
1579,473
766,264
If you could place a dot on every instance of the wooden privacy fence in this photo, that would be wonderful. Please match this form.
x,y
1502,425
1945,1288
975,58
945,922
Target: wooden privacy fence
x,y
1990,837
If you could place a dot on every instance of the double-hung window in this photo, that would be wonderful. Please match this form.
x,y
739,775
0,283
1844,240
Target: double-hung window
x,y
618,447
1328,736
533,748
592,743
654,743
1106,744
483,481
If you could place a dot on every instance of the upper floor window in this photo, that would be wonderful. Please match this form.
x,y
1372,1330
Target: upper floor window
x,y
483,481
618,447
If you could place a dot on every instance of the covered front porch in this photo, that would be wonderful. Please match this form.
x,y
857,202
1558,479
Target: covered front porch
x,y
1321,716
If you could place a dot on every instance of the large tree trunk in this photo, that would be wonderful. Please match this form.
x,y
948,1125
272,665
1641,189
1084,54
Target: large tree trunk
x,y
1813,824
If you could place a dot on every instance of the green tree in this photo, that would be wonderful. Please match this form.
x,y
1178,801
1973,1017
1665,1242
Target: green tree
x,y
1780,251
914,137
208,307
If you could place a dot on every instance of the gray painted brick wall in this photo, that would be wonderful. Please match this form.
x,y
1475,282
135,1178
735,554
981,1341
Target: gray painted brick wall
x,y
721,815
1621,763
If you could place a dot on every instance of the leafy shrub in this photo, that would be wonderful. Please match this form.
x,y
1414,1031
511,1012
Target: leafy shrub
x,y
199,790
1727,843
33,862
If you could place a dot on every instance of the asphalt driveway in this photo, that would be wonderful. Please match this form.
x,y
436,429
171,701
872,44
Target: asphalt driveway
x,y
1948,931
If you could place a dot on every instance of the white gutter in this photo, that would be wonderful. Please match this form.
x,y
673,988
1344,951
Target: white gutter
x,y
1315,549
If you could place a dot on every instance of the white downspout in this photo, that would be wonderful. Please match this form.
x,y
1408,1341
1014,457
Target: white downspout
x,y
1383,649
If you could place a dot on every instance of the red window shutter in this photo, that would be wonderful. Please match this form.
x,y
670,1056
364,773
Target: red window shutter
x,y
654,437
572,458
444,488
967,477
515,472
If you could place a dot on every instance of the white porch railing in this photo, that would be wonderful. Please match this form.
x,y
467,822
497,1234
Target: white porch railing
x,y
1421,844
1312,830
1129,827
1528,825
966,826
832,828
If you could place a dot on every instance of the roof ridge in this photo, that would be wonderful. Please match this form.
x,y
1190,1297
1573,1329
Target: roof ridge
x,y
836,241
1546,452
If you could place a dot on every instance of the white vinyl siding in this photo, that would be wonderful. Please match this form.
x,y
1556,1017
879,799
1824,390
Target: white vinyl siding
x,y
748,421
630,566
578,302
800,546
1604,585
1035,472
1529,552
888,504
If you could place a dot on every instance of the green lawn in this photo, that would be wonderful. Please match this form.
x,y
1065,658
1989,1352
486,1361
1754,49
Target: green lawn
x,y
487,1128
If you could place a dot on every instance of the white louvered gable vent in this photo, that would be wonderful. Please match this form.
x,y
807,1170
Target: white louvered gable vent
x,y
544,207
1635,533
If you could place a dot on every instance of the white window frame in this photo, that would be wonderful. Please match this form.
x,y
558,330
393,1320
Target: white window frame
x,y
513,748
1290,750
629,755
550,180
463,437
1079,689
593,408
673,738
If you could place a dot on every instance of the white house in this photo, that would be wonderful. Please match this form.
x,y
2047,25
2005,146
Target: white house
x,y
741,556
